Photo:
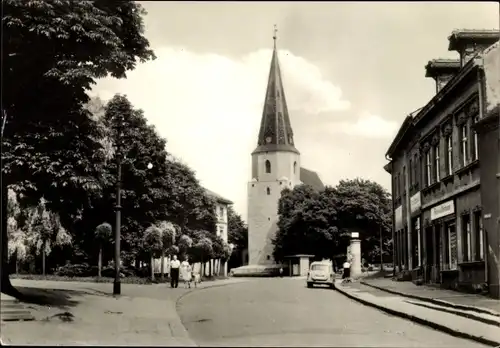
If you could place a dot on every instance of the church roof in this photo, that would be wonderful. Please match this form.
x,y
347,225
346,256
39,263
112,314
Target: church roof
x,y
275,128
217,197
308,177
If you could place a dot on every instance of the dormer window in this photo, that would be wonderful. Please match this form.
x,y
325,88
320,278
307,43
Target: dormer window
x,y
268,166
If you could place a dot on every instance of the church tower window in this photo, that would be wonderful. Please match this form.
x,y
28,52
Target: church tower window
x,y
294,167
268,191
268,166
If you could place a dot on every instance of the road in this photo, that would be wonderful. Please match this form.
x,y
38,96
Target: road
x,y
283,312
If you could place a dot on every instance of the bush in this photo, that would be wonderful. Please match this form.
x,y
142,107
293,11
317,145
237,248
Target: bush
x,y
77,270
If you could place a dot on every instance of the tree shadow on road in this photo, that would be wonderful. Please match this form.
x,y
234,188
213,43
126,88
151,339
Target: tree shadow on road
x,y
57,298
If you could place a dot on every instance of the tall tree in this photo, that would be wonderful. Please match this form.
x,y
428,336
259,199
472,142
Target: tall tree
x,y
306,223
237,230
364,206
53,52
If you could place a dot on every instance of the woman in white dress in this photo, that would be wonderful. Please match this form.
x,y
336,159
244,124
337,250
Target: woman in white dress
x,y
186,272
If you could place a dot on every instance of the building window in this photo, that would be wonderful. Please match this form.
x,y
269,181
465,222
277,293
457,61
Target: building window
x,y
411,173
436,163
221,212
479,234
428,168
449,155
269,257
466,238
268,191
416,171
463,148
404,180
474,143
294,167
268,166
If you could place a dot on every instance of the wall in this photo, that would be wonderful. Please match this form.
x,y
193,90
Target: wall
x,y
490,202
262,219
221,213
263,207
282,165
491,63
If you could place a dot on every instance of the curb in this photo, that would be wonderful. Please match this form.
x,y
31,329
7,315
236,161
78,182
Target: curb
x,y
421,321
436,301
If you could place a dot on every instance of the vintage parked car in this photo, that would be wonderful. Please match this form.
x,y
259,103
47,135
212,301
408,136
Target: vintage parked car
x,y
321,272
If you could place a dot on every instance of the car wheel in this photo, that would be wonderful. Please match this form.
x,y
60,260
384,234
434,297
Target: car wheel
x,y
309,285
332,286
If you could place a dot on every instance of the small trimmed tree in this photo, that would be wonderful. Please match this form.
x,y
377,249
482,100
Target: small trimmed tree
x,y
168,232
203,250
185,243
153,243
102,234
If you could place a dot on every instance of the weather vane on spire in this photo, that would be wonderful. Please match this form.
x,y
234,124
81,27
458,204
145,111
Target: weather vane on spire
x,y
275,34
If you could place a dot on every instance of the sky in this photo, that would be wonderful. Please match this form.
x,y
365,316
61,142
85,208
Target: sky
x,y
351,72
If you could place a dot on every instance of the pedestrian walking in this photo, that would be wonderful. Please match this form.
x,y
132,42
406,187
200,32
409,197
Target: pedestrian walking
x,y
174,272
281,272
186,272
346,275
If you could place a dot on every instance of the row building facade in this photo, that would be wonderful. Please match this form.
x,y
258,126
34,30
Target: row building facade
x,y
444,164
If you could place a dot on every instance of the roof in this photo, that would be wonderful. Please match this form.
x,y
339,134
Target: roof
x,y
308,177
407,123
465,71
275,132
217,197
441,66
459,36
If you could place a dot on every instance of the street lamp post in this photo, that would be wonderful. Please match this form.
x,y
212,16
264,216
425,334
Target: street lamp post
x,y
118,207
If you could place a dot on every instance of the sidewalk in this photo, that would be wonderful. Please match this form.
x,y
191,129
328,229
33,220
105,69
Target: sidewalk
x,y
77,313
457,325
449,298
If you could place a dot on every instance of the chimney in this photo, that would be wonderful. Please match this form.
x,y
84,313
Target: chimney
x,y
442,71
469,42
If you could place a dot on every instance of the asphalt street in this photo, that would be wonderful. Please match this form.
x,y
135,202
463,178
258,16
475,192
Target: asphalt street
x,y
284,312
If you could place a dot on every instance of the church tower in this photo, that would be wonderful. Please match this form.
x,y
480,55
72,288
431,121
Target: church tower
x,y
275,165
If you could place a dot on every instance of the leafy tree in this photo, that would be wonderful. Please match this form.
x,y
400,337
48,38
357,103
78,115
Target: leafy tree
x,y
237,231
145,200
17,238
184,244
306,223
202,249
364,206
154,243
103,235
53,52
320,223
168,234
44,230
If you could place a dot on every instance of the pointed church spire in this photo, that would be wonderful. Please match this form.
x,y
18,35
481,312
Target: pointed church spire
x,y
275,128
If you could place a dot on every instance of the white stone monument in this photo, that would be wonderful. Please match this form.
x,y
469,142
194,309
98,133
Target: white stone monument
x,y
355,255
